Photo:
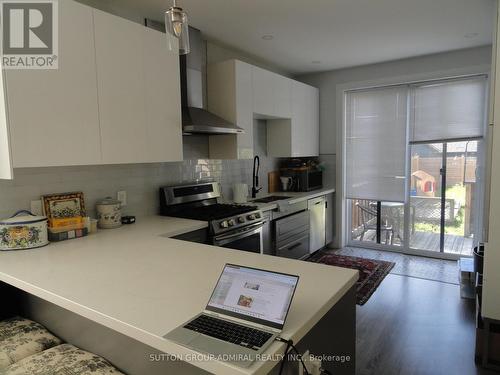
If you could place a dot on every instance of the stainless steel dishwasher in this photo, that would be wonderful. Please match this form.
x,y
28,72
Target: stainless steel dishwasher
x,y
317,223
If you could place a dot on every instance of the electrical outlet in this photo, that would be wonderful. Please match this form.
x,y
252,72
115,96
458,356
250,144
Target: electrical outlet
x,y
122,197
312,364
36,207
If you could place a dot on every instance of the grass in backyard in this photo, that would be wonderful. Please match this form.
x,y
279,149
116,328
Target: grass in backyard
x,y
457,227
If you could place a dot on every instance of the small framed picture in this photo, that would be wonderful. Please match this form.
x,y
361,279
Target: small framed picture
x,y
65,205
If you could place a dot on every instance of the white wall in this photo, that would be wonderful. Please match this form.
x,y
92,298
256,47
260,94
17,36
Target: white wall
x,y
217,52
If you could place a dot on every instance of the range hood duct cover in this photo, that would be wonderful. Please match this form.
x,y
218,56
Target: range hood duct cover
x,y
195,118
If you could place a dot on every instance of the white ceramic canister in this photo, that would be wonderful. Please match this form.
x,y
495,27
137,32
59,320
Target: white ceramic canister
x,y
23,230
240,193
109,213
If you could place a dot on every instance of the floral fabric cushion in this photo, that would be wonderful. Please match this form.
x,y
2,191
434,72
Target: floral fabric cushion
x,y
64,359
20,338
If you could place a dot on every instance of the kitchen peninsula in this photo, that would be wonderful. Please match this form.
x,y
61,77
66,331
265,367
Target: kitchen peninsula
x,y
118,292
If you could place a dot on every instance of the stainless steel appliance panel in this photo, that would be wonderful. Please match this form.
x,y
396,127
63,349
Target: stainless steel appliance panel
x,y
292,226
288,209
292,235
267,234
248,238
296,249
329,223
317,225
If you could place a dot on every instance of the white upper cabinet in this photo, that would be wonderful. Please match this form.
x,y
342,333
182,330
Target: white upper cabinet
x,y
5,156
122,111
230,97
53,114
271,94
282,87
263,100
298,137
240,92
162,96
138,89
305,120
115,98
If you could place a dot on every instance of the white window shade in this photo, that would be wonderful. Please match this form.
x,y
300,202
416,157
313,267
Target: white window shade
x,y
376,123
449,110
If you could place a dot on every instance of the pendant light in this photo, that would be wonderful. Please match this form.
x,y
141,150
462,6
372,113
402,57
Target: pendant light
x,y
176,25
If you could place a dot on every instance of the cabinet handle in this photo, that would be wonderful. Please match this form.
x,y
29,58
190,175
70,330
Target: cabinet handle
x,y
294,246
326,204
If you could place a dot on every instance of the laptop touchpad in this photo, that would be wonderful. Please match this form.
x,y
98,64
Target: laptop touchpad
x,y
212,346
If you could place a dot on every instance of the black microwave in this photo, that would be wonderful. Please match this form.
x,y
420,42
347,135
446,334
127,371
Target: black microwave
x,y
304,179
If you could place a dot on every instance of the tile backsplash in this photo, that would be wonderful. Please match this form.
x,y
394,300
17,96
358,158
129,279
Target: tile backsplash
x,y
141,181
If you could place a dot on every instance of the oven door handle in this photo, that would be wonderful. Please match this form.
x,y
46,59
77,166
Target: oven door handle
x,y
250,230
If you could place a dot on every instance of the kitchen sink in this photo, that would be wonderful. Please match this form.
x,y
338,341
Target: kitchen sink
x,y
271,198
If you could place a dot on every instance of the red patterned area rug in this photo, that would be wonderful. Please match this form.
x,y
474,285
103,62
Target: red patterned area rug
x,y
371,272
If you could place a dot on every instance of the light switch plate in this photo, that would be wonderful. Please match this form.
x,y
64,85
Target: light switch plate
x,y
122,197
36,207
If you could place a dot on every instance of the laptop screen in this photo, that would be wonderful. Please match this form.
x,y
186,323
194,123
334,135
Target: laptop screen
x,y
252,294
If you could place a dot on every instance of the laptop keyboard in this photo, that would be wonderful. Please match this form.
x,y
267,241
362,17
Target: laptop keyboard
x,y
230,332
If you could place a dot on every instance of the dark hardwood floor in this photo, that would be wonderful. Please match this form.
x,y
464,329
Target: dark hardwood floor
x,y
412,326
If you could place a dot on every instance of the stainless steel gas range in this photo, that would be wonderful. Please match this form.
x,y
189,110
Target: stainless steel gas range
x,y
233,226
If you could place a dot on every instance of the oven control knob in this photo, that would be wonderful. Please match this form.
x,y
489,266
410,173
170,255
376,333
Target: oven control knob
x,y
224,224
251,217
257,215
241,219
231,223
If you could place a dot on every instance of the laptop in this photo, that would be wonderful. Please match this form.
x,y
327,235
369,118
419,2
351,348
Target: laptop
x,y
246,312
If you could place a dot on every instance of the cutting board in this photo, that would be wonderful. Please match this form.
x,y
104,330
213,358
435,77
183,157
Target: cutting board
x,y
273,181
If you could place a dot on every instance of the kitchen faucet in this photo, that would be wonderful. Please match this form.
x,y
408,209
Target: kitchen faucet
x,y
255,177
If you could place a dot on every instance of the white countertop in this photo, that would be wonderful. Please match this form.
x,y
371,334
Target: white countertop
x,y
294,197
136,281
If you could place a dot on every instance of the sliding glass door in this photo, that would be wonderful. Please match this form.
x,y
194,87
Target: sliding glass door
x,y
443,197
412,166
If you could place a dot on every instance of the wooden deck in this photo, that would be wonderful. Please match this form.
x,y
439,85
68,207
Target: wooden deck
x,y
430,241
452,243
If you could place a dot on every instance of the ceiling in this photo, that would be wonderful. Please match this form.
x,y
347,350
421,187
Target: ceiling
x,y
316,35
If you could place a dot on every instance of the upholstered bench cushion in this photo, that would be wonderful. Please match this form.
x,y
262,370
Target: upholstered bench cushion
x,y
21,338
64,359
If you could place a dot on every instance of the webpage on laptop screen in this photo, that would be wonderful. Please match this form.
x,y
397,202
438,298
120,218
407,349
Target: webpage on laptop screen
x,y
255,293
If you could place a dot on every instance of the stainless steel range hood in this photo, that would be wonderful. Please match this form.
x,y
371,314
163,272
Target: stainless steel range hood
x,y
200,121
195,118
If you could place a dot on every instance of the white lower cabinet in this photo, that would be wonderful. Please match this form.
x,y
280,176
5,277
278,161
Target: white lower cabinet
x,y
115,98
